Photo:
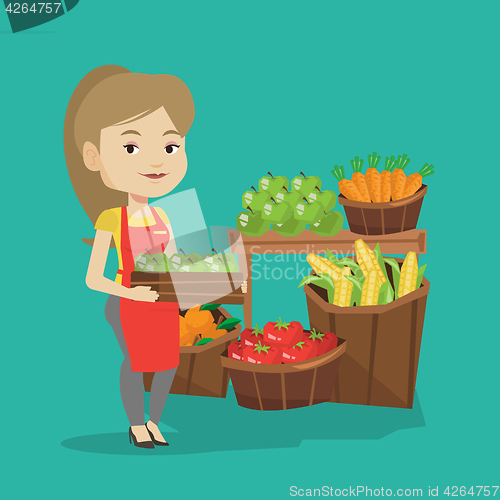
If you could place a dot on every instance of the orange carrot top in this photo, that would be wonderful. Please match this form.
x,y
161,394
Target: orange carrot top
x,y
359,179
372,177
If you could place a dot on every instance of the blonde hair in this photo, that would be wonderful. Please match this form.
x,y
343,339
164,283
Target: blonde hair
x,y
106,96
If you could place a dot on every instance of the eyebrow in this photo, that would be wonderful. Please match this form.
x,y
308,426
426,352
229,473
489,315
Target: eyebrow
x,y
171,132
130,132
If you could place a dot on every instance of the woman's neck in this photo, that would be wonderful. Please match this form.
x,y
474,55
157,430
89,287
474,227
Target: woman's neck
x,y
136,203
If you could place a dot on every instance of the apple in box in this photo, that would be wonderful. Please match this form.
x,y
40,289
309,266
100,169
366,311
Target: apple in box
x,y
325,342
235,351
301,351
249,336
261,354
285,334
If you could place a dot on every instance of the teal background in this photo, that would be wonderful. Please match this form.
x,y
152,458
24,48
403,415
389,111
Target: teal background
x,y
280,86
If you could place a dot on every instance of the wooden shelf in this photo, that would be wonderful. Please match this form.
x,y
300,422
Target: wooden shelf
x,y
343,242
309,242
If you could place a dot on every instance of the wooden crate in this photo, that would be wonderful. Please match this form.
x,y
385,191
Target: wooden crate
x,y
190,289
200,372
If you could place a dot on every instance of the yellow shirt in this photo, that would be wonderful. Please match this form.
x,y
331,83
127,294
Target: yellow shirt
x,y
110,221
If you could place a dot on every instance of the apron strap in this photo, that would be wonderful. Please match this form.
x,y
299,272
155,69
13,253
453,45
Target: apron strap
x,y
127,257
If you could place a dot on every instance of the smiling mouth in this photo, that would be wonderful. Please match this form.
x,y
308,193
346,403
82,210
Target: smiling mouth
x,y
154,176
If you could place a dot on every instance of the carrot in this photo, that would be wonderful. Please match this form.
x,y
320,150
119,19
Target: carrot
x,y
385,178
398,177
359,179
372,177
414,181
346,187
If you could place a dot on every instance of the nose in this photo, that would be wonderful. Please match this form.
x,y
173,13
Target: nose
x,y
157,166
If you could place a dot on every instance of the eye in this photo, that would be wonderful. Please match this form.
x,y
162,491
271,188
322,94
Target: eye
x,y
131,149
171,149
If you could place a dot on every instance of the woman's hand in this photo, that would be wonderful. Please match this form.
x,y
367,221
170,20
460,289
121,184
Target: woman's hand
x,y
143,293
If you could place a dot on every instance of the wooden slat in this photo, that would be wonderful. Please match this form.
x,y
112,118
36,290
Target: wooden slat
x,y
234,298
343,242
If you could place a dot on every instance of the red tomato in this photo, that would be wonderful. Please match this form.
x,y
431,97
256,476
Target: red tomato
x,y
325,342
235,351
285,334
250,337
262,354
331,341
305,349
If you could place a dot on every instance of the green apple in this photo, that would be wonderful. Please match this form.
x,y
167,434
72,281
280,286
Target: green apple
x,y
292,227
273,184
251,224
308,212
193,257
178,260
154,263
305,185
141,262
230,262
327,199
255,199
192,266
214,263
290,197
329,225
277,212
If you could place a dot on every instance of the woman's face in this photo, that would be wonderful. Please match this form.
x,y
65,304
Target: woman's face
x,y
144,157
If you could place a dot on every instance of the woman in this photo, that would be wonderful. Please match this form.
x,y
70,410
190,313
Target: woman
x,y
124,141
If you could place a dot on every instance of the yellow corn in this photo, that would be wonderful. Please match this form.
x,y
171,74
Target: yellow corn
x,y
343,289
409,271
371,289
323,265
367,260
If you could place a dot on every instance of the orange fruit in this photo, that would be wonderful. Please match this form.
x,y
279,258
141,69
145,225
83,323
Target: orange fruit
x,y
198,321
185,335
213,333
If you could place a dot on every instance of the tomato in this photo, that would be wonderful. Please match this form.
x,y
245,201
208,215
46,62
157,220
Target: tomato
x,y
235,351
262,354
325,342
250,337
331,341
285,334
305,349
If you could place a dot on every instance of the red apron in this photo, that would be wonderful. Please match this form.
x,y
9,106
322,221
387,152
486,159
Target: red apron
x,y
151,329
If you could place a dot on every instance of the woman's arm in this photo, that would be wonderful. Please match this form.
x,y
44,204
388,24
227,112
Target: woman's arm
x,y
96,280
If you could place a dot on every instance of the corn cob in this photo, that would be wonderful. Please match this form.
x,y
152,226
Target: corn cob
x,y
409,271
367,260
371,289
323,265
343,289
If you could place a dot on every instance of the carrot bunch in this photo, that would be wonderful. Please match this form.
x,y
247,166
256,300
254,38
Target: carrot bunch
x,y
390,184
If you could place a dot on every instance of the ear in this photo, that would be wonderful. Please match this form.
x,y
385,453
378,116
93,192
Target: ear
x,y
91,157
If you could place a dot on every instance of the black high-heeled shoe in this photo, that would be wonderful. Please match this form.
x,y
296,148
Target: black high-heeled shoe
x,y
155,441
139,444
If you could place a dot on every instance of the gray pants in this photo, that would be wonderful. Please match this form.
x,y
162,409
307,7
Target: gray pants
x,y
131,383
